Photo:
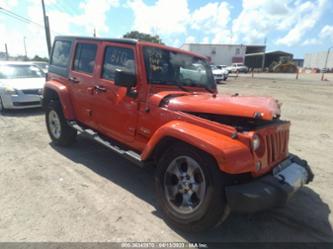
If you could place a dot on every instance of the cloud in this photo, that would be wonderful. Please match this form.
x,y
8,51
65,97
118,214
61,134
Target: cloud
x,y
304,18
8,4
190,39
213,19
30,32
175,22
311,41
257,19
163,17
94,15
327,33
90,15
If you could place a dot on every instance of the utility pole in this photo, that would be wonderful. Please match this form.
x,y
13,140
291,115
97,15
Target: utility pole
x,y
47,29
25,48
263,56
94,32
325,67
6,49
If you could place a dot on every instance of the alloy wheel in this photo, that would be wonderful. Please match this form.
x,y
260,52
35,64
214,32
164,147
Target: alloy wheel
x,y
184,185
54,124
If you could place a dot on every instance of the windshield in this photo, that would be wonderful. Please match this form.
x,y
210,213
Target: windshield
x,y
20,71
171,68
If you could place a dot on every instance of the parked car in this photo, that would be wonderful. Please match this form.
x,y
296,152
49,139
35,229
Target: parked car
x,y
221,66
219,73
212,153
325,70
21,85
193,73
238,67
42,65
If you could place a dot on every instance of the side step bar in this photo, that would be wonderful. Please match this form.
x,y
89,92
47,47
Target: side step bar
x,y
131,155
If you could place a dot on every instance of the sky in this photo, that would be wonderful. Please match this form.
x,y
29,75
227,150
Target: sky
x,y
296,26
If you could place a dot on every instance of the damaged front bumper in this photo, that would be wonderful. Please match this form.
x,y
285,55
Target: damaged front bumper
x,y
271,190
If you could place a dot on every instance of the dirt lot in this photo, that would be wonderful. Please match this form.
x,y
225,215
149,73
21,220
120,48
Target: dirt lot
x,y
87,193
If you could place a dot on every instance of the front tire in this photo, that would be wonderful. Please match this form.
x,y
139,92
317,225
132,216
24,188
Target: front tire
x,y
189,189
59,131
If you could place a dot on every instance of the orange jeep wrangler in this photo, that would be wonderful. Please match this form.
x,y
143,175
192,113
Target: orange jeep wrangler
x,y
157,105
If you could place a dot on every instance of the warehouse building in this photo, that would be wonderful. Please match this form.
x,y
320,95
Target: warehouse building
x,y
255,60
317,60
298,62
223,54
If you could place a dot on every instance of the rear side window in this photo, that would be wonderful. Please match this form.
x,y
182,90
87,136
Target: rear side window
x,y
85,55
117,58
61,53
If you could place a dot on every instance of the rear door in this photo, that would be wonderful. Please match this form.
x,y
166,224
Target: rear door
x,y
82,79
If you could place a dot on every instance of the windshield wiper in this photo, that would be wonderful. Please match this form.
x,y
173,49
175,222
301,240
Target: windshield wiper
x,y
206,88
181,87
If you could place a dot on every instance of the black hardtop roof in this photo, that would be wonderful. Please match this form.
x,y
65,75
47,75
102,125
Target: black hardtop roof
x,y
116,40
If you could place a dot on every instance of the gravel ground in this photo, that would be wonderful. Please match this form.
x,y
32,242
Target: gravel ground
x,y
88,193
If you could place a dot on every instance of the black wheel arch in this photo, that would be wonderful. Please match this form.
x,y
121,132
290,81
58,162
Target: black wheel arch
x,y
48,95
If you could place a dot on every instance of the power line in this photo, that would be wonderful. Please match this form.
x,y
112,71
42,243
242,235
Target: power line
x,y
15,17
21,18
18,17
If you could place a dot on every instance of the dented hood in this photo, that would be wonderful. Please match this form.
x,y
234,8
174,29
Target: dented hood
x,y
242,106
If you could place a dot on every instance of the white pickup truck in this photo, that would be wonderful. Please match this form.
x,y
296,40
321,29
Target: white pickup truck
x,y
241,68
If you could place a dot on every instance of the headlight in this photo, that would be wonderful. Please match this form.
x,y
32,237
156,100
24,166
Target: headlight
x,y
255,142
10,90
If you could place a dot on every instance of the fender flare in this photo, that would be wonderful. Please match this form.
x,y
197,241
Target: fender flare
x,y
64,97
231,155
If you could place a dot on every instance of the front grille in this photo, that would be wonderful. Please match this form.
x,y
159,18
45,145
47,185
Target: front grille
x,y
26,103
32,91
277,146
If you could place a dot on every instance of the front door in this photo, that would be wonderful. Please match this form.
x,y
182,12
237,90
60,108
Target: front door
x,y
114,111
82,79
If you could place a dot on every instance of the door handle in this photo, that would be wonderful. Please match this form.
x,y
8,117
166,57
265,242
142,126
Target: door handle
x,y
74,80
100,89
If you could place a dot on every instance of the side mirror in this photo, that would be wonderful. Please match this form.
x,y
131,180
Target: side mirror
x,y
124,79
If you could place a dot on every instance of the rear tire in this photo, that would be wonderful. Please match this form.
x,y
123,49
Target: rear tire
x,y
59,131
191,202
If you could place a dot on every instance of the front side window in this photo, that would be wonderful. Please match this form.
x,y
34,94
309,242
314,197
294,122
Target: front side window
x,y
117,58
172,68
20,71
85,56
61,53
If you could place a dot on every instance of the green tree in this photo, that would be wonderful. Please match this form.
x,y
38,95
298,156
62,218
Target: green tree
x,y
143,37
38,58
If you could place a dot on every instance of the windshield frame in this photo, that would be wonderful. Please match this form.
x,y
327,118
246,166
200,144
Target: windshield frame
x,y
209,84
13,77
